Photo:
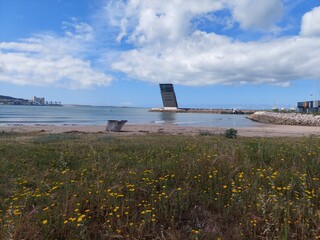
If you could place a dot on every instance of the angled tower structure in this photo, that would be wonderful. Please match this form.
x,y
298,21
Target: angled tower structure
x,y
168,96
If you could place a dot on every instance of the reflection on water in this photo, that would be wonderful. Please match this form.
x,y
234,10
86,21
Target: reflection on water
x,y
168,117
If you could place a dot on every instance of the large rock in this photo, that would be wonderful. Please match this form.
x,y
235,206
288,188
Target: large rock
x,y
115,125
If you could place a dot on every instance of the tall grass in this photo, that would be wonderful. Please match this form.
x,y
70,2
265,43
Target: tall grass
x,y
159,187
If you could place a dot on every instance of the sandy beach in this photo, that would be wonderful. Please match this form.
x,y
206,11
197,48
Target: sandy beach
x,y
263,130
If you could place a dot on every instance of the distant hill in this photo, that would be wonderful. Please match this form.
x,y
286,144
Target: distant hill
x,y
7,100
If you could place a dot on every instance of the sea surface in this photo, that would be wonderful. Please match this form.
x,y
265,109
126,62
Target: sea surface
x,y
93,115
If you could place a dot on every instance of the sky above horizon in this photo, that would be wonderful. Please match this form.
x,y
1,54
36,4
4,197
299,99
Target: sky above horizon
x,y
217,53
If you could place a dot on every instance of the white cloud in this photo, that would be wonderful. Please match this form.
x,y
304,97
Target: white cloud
x,y
211,59
311,23
149,21
47,59
167,47
144,21
262,14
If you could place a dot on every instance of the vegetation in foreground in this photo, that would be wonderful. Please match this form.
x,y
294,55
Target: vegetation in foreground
x,y
78,186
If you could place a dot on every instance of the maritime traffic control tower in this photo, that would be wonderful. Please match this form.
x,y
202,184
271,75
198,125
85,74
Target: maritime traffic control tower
x,y
168,96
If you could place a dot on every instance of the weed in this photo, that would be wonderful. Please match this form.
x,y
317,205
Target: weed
x,y
231,133
207,133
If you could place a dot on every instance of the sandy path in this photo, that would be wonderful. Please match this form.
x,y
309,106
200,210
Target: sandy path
x,y
263,130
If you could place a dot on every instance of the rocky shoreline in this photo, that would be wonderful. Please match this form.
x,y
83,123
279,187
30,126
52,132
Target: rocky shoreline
x,y
285,118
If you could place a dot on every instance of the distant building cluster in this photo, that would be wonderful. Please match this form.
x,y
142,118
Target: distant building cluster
x,y
6,100
308,106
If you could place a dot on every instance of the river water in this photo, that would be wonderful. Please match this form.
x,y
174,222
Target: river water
x,y
97,115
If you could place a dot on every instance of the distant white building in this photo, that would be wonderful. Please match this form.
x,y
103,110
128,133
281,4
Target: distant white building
x,y
37,100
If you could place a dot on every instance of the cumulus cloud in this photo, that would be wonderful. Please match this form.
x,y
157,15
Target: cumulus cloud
x,y
144,21
311,23
47,59
262,14
206,59
169,48
161,41
158,20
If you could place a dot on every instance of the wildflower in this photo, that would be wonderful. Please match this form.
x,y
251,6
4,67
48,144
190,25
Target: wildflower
x,y
195,231
44,222
16,212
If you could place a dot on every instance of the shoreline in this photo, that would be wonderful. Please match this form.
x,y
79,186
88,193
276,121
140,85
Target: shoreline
x,y
263,130
205,110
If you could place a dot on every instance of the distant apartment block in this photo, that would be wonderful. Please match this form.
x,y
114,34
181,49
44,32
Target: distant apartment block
x,y
40,101
168,96
308,106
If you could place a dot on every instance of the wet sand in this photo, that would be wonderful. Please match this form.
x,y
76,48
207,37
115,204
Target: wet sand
x,y
263,130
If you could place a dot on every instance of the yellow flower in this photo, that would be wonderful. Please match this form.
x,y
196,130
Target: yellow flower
x,y
16,212
44,222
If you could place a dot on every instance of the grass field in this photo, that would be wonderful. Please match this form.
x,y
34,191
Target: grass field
x,y
94,186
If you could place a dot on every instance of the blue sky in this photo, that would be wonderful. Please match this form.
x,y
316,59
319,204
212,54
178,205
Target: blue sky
x,y
217,53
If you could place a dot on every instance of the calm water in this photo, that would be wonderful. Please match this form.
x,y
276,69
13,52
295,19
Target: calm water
x,y
88,115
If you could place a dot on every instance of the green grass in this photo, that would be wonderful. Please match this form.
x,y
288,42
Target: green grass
x,y
6,134
93,186
51,138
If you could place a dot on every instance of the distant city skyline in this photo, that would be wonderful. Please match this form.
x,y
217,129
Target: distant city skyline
x,y
217,53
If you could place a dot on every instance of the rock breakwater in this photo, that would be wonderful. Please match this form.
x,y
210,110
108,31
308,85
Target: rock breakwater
x,y
286,118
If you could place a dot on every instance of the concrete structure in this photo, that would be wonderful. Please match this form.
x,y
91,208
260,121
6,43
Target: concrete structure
x,y
168,96
308,106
